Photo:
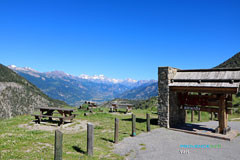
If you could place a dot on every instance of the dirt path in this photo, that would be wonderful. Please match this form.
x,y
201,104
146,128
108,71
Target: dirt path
x,y
68,128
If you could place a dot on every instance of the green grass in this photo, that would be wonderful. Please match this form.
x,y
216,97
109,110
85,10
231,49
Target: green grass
x,y
205,116
20,143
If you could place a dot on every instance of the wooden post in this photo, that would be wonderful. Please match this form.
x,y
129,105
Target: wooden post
x,y
148,122
58,145
199,112
90,139
116,130
222,115
192,114
211,115
133,125
185,116
199,115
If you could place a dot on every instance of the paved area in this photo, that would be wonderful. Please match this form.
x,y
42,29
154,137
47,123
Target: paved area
x,y
164,144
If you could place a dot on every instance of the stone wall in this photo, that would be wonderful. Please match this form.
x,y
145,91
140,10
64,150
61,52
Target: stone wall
x,y
169,113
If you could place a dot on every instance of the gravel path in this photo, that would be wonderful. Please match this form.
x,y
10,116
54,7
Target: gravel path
x,y
164,144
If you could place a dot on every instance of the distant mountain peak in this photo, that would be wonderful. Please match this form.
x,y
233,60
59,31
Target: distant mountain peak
x,y
85,76
131,80
57,73
103,78
12,66
26,69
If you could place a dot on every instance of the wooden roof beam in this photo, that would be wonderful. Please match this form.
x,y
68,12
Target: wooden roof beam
x,y
204,89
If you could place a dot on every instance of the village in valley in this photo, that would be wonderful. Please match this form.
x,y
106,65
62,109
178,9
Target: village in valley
x,y
171,106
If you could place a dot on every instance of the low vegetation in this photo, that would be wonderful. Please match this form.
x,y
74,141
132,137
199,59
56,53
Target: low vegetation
x,y
21,143
233,62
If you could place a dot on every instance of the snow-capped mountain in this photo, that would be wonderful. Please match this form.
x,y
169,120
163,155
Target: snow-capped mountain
x,y
24,69
95,78
102,78
76,89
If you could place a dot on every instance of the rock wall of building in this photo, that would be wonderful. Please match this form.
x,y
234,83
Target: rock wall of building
x,y
176,115
169,113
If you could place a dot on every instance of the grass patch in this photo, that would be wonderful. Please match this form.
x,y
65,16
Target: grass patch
x,y
143,148
205,117
126,155
20,143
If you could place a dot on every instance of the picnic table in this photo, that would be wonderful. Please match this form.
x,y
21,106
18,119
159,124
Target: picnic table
x,y
47,112
116,106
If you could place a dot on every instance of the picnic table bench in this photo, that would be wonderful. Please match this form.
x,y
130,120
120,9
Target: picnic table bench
x,y
47,112
115,107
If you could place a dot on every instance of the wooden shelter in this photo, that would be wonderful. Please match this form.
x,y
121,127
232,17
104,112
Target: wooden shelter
x,y
208,90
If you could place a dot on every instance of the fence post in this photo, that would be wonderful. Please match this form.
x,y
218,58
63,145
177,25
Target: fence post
x,y
192,114
58,145
90,139
211,115
186,116
199,115
133,125
148,122
116,130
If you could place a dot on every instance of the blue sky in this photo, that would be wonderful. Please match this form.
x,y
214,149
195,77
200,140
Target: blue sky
x,y
118,38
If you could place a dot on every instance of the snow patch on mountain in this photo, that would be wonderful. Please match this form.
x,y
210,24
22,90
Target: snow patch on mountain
x,y
102,78
95,78
23,69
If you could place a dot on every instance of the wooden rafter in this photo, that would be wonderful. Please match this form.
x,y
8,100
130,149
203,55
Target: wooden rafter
x,y
204,89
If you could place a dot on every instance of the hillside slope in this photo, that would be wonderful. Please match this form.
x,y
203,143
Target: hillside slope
x,y
18,96
233,62
150,103
141,93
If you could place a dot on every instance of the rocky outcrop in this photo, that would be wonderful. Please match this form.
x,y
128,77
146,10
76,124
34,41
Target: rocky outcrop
x,y
17,99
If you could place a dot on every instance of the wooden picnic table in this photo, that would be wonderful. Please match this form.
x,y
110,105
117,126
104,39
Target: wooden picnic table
x,y
47,112
116,106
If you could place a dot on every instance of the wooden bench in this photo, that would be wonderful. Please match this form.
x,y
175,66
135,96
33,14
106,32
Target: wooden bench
x,y
48,112
115,107
38,118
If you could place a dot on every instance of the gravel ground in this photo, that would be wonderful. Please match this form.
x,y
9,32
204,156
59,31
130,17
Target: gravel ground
x,y
67,128
164,144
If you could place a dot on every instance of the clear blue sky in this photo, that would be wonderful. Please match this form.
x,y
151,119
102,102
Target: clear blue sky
x,y
118,38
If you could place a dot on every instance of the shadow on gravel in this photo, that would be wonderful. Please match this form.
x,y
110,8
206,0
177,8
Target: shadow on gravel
x,y
50,121
153,121
193,127
79,150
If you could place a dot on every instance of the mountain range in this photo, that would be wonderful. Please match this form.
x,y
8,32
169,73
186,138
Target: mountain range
x,y
74,90
19,96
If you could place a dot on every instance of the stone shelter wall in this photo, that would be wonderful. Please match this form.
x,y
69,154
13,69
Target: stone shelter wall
x,y
169,113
